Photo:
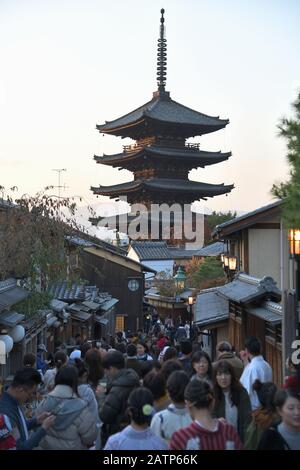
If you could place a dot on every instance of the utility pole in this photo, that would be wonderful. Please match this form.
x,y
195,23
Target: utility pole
x,y
59,187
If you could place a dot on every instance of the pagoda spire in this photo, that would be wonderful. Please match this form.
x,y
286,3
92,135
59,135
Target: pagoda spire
x,y
162,55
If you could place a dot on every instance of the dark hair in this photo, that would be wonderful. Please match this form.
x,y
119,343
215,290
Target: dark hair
x,y
266,394
199,393
81,368
253,345
131,350
170,353
67,375
176,385
29,360
137,400
170,366
186,346
197,356
148,366
85,347
60,359
224,346
142,343
114,359
27,377
156,383
281,397
120,347
93,361
235,386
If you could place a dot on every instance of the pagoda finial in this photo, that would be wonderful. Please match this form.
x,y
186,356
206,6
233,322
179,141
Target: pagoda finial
x,y
162,55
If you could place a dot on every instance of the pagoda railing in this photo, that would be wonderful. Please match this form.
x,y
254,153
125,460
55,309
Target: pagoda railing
x,y
193,146
135,147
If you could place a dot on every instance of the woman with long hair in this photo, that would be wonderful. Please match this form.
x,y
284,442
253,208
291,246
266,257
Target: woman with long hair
x,y
264,416
232,401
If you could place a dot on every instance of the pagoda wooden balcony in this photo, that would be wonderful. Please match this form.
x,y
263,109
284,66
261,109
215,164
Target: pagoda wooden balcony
x,y
136,147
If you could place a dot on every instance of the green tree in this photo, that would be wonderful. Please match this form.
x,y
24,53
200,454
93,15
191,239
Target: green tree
x,y
289,191
202,274
214,219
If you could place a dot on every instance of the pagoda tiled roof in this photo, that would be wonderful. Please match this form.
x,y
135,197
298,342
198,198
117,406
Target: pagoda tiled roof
x,y
165,110
163,184
202,157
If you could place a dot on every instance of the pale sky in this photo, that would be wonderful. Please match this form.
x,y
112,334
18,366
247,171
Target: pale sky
x,y
67,65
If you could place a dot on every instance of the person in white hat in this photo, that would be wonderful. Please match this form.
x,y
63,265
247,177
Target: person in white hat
x,y
74,355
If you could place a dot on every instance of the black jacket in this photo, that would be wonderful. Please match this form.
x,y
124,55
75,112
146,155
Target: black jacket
x,y
113,410
271,439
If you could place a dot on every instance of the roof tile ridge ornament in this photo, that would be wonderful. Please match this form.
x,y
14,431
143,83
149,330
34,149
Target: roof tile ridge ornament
x,y
161,73
268,283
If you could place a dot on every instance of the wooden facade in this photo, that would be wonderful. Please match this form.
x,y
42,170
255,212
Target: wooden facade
x,y
112,274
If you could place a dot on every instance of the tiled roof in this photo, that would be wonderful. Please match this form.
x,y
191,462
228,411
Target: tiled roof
x,y
11,294
200,189
178,253
245,289
185,154
215,249
210,308
11,319
63,291
258,211
166,110
151,250
268,311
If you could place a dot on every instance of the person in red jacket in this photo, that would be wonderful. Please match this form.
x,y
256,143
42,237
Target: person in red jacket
x,y
7,440
205,432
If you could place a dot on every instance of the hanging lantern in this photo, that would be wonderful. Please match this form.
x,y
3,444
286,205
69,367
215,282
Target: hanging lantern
x,y
17,333
226,261
8,341
232,262
294,241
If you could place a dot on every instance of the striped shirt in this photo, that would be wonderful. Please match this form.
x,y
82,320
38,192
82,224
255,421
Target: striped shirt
x,y
196,437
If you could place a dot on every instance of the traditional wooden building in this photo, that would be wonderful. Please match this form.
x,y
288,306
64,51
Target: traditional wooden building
x,y
161,158
108,267
247,306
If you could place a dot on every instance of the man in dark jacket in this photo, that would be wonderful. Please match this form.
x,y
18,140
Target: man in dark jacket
x,y
224,353
120,383
21,390
132,361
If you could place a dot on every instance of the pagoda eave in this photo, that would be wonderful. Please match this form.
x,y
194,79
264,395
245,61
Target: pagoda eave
x,y
193,159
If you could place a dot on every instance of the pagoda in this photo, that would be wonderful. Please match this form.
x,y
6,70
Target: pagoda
x,y
161,158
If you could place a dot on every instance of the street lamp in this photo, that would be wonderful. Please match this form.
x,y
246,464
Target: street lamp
x,y
179,279
191,303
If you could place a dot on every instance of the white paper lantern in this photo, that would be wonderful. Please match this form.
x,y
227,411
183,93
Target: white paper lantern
x,y
17,333
8,341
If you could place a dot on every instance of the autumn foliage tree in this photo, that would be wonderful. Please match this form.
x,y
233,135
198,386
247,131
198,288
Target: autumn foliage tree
x,y
32,237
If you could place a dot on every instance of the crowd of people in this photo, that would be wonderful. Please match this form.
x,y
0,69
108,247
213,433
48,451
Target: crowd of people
x,y
152,390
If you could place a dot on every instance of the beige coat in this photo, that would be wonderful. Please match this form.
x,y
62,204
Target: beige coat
x,y
74,428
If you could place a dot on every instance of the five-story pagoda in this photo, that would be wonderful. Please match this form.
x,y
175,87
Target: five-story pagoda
x,y
161,159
